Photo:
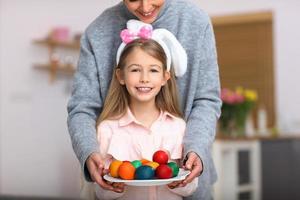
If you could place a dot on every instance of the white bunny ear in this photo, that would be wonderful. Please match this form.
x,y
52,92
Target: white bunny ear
x,y
119,51
177,52
135,25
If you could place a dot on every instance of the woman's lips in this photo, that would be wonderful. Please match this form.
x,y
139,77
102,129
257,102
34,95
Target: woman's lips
x,y
148,15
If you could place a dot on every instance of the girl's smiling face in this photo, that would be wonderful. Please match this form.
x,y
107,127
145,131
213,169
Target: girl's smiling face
x,y
143,76
145,10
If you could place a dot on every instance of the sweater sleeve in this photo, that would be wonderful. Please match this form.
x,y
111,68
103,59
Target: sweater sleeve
x,y
202,120
84,106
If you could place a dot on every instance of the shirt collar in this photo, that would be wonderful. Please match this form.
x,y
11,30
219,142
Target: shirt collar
x,y
164,115
129,118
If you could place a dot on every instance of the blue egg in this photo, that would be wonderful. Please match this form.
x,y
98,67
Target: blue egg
x,y
144,172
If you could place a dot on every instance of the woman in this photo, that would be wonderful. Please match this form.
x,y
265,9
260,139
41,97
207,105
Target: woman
x,y
198,88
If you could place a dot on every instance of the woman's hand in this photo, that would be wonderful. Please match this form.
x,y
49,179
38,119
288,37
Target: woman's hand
x,y
194,164
95,165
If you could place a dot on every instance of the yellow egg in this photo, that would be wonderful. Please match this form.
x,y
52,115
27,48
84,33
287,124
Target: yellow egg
x,y
114,167
154,165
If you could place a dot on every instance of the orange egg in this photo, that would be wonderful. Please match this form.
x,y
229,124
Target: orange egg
x,y
114,167
154,165
126,171
144,161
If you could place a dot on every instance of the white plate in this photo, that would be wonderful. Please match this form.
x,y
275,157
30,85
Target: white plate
x,y
181,176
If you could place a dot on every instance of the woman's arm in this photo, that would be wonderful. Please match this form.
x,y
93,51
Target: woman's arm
x,y
84,106
202,120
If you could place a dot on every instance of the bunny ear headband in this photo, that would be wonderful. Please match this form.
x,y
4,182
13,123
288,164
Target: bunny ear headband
x,y
175,53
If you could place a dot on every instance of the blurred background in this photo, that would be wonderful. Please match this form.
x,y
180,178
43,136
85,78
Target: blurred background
x,y
258,46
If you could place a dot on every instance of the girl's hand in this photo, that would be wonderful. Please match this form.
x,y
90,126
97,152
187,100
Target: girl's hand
x,y
175,184
118,187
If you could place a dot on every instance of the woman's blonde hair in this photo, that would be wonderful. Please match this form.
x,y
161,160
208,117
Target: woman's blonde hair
x,y
117,99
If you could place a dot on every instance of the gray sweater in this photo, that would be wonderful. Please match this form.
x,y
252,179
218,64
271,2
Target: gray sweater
x,y
199,88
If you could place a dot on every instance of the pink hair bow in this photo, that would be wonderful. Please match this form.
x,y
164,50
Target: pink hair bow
x,y
127,35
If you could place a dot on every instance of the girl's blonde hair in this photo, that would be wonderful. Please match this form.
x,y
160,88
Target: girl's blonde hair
x,y
117,99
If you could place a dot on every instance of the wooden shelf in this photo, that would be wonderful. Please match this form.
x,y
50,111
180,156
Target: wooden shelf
x,y
54,65
52,43
55,69
61,68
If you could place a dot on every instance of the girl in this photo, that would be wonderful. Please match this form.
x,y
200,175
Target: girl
x,y
141,113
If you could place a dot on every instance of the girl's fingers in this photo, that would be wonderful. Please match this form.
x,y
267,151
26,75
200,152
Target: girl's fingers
x,y
174,184
105,171
118,187
109,183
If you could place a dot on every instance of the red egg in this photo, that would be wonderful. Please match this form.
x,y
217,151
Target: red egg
x,y
163,172
160,157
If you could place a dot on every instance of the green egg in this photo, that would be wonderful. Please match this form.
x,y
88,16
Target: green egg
x,y
174,167
136,163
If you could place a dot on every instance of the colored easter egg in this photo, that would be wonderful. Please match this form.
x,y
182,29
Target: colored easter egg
x,y
163,172
144,172
126,171
174,167
144,161
114,167
160,157
154,165
136,163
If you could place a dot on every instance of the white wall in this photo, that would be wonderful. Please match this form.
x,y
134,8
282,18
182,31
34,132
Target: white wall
x,y
36,154
1,149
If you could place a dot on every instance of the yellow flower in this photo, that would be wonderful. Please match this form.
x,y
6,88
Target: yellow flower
x,y
239,90
250,95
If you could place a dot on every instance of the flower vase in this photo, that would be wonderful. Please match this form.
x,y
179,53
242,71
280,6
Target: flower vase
x,y
240,124
249,126
239,130
234,126
227,127
235,109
